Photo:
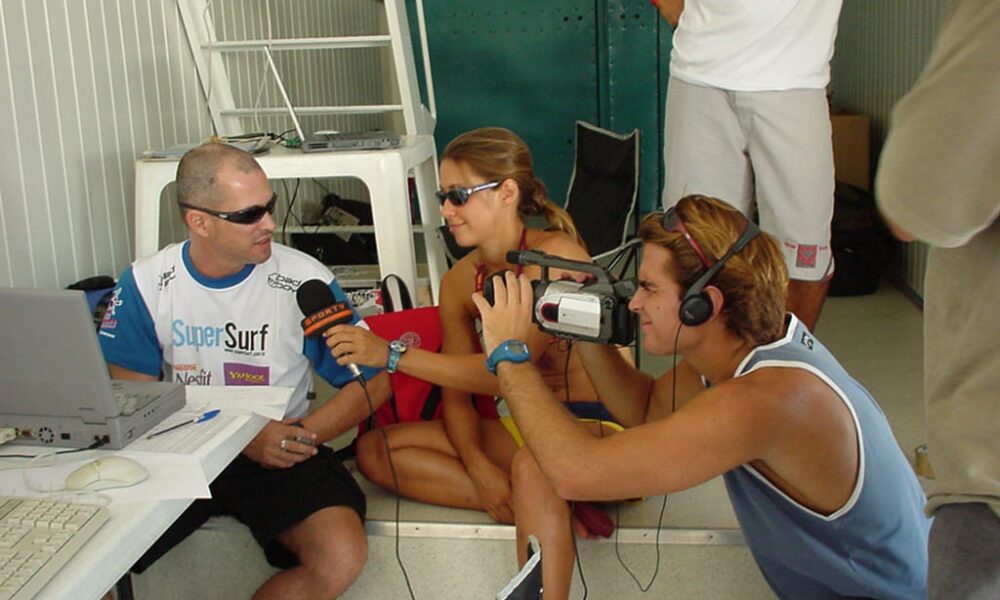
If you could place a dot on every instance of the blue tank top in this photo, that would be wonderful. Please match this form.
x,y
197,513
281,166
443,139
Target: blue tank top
x,y
875,546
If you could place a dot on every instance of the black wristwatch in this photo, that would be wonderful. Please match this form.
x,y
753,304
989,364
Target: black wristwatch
x,y
514,351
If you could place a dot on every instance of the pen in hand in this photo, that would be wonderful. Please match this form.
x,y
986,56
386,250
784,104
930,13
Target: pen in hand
x,y
204,417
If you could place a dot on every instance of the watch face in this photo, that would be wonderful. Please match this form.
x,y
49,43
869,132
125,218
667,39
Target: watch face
x,y
397,346
517,347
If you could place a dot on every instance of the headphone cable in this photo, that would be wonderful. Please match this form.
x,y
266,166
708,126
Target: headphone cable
x,y
663,507
572,504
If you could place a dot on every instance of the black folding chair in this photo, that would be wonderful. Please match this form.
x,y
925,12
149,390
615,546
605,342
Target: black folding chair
x,y
604,191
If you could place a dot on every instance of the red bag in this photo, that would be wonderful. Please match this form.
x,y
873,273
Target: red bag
x,y
414,399
418,328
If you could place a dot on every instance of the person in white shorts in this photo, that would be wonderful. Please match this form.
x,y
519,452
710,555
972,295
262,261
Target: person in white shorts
x,y
747,121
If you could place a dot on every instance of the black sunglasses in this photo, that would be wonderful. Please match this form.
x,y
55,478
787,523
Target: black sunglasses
x,y
459,196
247,216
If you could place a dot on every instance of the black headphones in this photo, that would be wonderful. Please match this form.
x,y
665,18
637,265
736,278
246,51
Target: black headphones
x,y
696,306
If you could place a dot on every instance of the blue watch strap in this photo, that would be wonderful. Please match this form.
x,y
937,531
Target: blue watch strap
x,y
514,351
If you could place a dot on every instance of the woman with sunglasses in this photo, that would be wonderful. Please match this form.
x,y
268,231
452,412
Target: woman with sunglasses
x,y
489,194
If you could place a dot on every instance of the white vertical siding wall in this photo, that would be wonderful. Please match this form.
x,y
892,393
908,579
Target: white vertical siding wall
x,y
87,86
882,46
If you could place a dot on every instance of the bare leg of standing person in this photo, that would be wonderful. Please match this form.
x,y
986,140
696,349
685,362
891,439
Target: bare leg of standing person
x,y
805,299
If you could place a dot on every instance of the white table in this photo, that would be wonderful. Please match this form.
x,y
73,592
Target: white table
x,y
385,172
133,527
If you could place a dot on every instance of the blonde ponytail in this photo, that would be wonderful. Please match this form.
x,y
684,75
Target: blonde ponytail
x,y
559,219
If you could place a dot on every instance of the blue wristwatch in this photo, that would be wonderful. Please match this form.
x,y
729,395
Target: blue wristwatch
x,y
514,351
396,350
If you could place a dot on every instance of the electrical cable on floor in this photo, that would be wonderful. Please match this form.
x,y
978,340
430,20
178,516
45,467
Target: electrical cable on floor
x,y
395,480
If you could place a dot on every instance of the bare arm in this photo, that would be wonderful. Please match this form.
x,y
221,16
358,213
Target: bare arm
x,y
118,372
937,175
459,366
349,406
461,421
898,232
463,366
671,10
624,390
709,436
632,396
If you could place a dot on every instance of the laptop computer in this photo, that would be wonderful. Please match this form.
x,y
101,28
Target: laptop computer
x,y
54,384
332,142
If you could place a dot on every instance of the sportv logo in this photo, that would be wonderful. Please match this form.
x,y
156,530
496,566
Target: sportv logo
x,y
229,336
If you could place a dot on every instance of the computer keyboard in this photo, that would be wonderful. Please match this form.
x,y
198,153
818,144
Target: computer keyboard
x,y
131,401
37,537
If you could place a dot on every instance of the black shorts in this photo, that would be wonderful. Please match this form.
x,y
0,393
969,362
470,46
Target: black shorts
x,y
268,501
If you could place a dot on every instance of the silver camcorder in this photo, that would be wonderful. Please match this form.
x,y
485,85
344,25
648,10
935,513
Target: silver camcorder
x,y
593,311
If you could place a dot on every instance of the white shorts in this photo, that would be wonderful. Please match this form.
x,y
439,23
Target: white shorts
x,y
772,147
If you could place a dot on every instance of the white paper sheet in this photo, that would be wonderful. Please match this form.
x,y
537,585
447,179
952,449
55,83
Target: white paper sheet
x,y
170,476
186,439
266,401
175,469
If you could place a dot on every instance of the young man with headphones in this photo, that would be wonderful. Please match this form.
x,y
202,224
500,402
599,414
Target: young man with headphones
x,y
827,502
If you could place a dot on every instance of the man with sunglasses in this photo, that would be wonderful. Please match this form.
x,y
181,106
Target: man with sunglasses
x,y
828,504
220,309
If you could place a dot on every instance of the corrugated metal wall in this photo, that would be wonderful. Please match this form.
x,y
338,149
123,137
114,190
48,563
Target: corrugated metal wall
x,y
882,47
88,86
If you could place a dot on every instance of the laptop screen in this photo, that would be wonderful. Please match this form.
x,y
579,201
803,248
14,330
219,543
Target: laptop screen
x,y
54,383
50,361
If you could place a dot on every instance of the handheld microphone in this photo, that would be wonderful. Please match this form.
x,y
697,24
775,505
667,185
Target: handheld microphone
x,y
322,311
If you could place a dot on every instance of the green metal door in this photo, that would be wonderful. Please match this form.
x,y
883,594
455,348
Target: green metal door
x,y
538,67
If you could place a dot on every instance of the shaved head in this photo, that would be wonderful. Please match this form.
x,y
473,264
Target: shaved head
x,y
198,172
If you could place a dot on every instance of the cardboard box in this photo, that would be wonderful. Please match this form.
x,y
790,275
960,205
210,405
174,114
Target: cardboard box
x,y
852,148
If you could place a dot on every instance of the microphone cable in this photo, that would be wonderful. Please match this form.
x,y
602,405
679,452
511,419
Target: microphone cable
x,y
392,469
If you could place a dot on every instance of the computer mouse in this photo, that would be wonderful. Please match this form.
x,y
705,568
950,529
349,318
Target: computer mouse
x,y
106,473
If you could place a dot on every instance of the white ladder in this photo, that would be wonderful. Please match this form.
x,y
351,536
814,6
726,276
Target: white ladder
x,y
207,51
418,120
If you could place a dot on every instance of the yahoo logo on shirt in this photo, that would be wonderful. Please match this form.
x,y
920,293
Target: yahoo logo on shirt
x,y
241,374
